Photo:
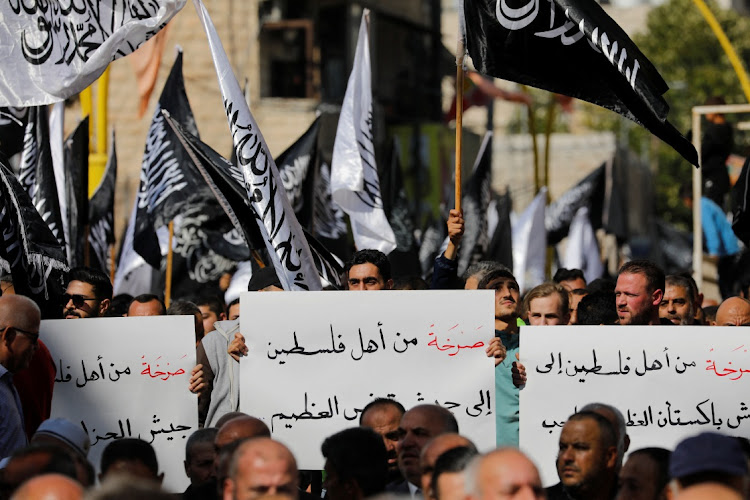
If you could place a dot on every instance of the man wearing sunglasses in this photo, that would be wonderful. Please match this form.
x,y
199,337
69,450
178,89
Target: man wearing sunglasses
x,y
88,294
19,332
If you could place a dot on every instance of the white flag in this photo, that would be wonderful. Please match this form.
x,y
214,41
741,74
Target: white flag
x,y
583,251
286,243
54,49
530,244
56,139
354,174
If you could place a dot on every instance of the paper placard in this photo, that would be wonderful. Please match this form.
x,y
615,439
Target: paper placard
x,y
317,358
127,377
669,383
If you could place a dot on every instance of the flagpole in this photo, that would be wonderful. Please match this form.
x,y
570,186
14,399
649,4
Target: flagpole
x,y
112,263
460,50
258,259
168,284
534,146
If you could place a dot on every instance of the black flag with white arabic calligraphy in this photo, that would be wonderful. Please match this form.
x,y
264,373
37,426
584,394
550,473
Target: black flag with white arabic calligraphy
x,y
76,161
166,188
36,173
226,181
102,215
28,249
571,47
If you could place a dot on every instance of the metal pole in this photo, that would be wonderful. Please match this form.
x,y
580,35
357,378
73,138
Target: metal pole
x,y
697,194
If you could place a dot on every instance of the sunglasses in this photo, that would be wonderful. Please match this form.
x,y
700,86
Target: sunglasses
x,y
77,299
34,337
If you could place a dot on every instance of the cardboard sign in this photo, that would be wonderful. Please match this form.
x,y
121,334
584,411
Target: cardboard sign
x,y
317,358
668,382
127,377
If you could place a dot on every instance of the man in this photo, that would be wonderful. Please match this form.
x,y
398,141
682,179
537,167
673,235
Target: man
x,y
709,457
719,238
448,475
200,456
507,296
645,475
187,308
239,428
417,427
431,451
34,461
597,308
678,304
503,473
734,311
716,145
88,293
49,487
212,310
586,460
617,421
383,416
260,467
708,491
574,299
233,310
547,304
638,293
368,270
131,456
147,304
355,466
570,279
19,331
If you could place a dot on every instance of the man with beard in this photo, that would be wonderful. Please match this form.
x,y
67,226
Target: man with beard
x,y
586,460
638,293
383,416
417,427
678,305
88,294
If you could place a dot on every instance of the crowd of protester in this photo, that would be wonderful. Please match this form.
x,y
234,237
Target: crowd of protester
x,y
414,452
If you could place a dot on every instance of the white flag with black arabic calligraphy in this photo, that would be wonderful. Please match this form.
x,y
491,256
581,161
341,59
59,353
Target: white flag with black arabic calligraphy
x,y
354,174
285,241
52,50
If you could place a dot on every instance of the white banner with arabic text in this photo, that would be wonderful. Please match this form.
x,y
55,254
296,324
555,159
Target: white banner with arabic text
x,y
669,383
316,359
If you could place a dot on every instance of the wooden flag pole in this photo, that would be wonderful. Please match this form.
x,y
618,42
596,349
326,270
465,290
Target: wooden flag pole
x,y
534,146
257,258
112,263
168,284
459,117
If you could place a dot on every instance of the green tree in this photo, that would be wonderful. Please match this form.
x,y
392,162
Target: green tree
x,y
681,45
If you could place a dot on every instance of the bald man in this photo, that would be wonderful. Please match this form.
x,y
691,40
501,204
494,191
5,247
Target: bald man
x,y
261,467
432,451
417,427
49,487
242,427
734,311
502,471
19,332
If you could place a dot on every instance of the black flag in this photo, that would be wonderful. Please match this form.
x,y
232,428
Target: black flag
x,y
297,168
226,182
102,215
741,205
36,173
589,192
12,122
571,47
166,189
76,154
28,249
501,243
475,201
